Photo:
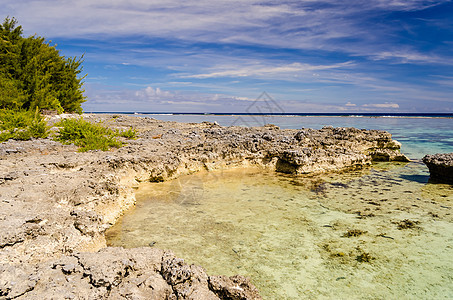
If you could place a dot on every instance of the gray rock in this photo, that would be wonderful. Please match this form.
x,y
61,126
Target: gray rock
x,y
117,273
440,167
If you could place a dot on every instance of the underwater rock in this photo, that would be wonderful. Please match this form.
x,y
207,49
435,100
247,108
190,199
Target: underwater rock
x,y
440,167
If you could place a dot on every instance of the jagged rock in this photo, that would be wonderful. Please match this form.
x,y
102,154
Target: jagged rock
x,y
388,154
56,203
87,222
234,287
440,167
118,273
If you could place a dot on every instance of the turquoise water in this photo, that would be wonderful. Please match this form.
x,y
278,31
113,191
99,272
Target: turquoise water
x,y
384,232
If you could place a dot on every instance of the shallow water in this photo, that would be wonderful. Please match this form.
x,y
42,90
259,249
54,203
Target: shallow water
x,y
378,233
382,232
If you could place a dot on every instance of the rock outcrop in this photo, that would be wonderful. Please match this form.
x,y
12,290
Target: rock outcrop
x,y
117,273
440,167
56,203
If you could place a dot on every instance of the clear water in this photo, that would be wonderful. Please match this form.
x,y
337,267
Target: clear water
x,y
378,233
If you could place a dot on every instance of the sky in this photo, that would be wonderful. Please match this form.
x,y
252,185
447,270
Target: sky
x,y
220,56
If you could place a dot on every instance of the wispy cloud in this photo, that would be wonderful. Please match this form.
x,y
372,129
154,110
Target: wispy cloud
x,y
260,70
328,25
382,105
445,81
411,57
157,99
383,54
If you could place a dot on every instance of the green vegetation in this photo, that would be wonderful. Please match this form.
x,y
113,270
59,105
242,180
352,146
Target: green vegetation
x,y
35,77
128,134
22,125
90,136
33,74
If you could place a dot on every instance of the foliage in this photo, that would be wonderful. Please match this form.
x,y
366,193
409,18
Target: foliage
x,y
22,125
34,74
131,133
90,136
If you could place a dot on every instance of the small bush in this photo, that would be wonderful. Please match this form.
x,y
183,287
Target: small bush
x,y
22,125
90,136
130,134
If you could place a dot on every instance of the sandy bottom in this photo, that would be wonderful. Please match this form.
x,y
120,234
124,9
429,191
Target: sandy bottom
x,y
380,233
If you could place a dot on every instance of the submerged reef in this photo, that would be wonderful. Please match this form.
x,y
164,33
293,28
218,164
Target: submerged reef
x,y
56,203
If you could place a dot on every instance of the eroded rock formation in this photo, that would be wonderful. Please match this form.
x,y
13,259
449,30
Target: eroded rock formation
x,y
118,273
56,203
440,167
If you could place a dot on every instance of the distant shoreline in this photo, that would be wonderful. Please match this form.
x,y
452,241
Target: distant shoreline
x,y
350,115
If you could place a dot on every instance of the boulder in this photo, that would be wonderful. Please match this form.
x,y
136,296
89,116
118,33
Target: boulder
x,y
440,167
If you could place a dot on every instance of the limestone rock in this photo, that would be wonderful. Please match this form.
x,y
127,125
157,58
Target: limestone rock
x,y
117,273
388,154
234,287
440,167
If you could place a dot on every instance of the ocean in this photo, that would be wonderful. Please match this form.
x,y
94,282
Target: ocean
x,y
384,232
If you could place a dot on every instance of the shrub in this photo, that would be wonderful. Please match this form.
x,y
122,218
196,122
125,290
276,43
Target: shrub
x,y
130,134
90,136
34,74
22,125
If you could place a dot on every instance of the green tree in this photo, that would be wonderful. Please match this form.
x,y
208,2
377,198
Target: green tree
x,y
33,74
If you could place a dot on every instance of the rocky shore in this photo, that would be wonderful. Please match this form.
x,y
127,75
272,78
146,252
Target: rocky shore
x,y
57,203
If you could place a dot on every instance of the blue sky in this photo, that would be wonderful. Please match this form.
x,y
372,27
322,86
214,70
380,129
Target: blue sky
x,y
219,56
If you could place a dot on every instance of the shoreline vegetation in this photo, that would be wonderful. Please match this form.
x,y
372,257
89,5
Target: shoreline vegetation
x,y
57,204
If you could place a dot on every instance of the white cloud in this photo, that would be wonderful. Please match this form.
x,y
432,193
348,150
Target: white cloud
x,y
405,5
382,105
261,70
349,104
154,93
155,99
410,56
445,81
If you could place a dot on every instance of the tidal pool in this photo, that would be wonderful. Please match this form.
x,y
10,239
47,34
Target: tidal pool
x,y
378,233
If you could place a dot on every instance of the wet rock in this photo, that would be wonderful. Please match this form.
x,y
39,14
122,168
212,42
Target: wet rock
x,y
388,154
440,167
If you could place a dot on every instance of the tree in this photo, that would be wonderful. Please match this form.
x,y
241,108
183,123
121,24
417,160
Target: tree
x,y
33,74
